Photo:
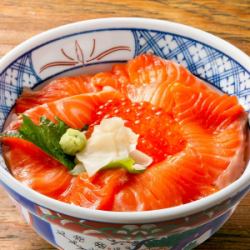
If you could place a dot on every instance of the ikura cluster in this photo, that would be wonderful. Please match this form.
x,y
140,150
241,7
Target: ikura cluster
x,y
159,134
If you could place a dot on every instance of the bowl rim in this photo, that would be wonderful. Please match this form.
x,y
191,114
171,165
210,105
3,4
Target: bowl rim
x,y
128,217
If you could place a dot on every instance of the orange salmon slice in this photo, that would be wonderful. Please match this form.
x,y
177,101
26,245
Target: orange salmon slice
x,y
97,192
76,111
30,165
55,90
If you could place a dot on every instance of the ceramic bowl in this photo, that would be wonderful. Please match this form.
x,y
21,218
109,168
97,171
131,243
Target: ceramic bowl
x,y
90,46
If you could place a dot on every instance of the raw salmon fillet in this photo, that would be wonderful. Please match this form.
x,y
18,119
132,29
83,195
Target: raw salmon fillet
x,y
97,192
30,165
76,111
195,135
55,90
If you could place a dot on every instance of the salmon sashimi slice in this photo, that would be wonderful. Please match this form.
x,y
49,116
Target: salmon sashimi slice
x,y
218,150
30,165
150,76
210,109
121,73
172,182
148,69
103,79
117,78
187,175
97,192
55,90
217,120
76,111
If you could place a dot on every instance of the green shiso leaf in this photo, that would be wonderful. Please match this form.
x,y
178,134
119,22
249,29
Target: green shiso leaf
x,y
46,136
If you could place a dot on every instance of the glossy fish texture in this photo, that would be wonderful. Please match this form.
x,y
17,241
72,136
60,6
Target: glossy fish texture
x,y
195,135
55,90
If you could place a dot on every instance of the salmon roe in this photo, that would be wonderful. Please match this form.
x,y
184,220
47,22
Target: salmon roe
x,y
159,134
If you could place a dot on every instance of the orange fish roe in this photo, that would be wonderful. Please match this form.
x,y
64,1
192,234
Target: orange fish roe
x,y
159,134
